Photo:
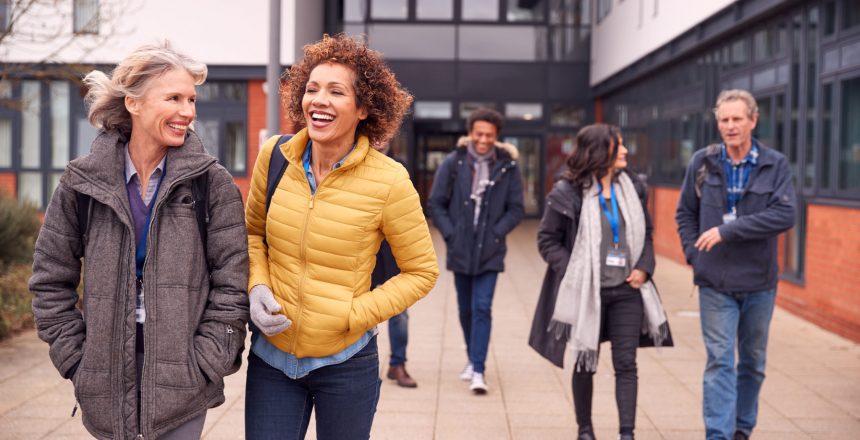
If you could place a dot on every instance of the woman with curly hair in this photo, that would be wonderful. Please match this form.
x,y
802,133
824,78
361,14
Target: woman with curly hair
x,y
312,250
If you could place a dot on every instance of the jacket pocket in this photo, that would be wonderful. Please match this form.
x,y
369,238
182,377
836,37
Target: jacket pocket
x,y
179,390
92,391
234,345
755,199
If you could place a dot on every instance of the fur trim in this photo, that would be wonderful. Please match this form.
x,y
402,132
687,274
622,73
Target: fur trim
x,y
509,148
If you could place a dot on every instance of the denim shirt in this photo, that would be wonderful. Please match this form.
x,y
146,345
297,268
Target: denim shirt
x,y
293,367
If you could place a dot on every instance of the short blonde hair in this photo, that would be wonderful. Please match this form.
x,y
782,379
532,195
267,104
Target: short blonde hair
x,y
737,95
131,77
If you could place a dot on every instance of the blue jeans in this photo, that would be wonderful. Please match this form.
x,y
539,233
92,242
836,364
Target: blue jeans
x,y
731,320
344,397
398,336
475,301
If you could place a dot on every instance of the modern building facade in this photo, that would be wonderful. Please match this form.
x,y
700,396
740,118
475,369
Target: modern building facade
x,y
801,59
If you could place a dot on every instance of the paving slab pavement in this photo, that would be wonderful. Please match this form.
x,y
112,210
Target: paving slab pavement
x,y
812,390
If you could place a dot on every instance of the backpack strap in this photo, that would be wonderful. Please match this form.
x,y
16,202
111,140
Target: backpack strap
x,y
83,201
277,165
200,192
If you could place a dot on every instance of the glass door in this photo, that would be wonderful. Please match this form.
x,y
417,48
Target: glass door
x,y
530,150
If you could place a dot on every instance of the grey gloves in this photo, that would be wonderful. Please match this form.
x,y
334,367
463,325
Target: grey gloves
x,y
264,311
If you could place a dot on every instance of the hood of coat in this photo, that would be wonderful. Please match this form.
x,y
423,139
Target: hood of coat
x,y
511,149
102,171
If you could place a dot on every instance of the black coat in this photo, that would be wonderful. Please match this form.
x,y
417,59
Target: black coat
x,y
556,237
474,250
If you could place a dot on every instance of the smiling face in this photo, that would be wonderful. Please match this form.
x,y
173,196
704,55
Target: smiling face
x,y
160,118
483,135
735,124
621,158
330,105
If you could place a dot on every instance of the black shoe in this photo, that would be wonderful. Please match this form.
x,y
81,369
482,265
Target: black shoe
x,y
740,435
586,433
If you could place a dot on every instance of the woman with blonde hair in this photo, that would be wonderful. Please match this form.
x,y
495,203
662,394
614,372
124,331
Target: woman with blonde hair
x,y
313,248
164,306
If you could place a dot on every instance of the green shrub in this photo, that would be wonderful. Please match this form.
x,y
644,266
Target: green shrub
x,y
15,300
19,225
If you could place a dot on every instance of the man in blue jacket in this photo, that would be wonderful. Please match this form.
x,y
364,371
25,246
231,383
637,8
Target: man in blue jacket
x,y
476,200
736,199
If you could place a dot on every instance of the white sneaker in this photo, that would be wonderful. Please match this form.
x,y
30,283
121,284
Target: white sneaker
x,y
468,372
478,385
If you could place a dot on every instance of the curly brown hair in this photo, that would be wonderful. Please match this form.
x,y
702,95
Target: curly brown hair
x,y
376,86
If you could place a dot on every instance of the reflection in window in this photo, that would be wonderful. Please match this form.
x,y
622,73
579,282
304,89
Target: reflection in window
x,y
207,92
570,43
526,111
433,110
30,188
59,124
30,124
5,143
739,53
535,12
466,108
234,154
389,9
354,10
849,150
483,10
86,16
235,91
564,115
434,9
503,43
426,42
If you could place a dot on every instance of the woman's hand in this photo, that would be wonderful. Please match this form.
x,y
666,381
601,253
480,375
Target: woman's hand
x,y
637,278
264,311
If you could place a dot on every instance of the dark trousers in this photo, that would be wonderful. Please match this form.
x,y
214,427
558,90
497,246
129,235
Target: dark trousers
x,y
343,396
621,323
398,336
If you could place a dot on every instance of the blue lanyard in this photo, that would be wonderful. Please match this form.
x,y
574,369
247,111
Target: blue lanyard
x,y
613,217
140,251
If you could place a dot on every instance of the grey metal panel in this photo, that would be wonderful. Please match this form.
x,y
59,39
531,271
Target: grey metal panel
x,y
427,80
568,82
505,81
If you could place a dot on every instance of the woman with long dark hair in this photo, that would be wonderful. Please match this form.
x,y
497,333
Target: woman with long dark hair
x,y
595,236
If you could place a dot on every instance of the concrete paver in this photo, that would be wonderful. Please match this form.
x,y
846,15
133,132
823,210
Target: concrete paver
x,y
812,390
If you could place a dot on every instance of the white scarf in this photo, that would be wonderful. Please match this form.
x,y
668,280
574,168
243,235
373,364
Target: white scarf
x,y
577,308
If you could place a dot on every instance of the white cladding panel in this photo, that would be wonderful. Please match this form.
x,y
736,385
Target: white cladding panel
x,y
635,28
218,32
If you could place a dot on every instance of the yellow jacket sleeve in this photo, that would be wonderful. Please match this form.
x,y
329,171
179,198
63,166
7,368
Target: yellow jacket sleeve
x,y
255,219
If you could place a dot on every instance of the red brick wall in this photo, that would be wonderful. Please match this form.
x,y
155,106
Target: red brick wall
x,y
830,295
8,183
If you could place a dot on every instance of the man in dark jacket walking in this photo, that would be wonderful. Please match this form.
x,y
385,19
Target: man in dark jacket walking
x,y
736,199
477,199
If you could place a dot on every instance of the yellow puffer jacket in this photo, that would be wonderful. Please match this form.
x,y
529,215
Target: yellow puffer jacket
x,y
322,248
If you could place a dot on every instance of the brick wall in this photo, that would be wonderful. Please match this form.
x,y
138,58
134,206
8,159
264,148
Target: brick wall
x,y
8,183
830,294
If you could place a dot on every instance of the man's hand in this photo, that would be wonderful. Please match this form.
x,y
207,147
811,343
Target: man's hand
x,y
264,311
708,239
637,278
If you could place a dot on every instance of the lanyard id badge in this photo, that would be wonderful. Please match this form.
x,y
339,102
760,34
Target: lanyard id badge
x,y
614,257
730,216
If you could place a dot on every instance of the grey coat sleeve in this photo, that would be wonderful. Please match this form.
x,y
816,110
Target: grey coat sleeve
x,y
220,336
56,275
777,217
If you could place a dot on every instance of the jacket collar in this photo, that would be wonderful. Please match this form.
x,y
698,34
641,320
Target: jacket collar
x,y
766,155
503,149
294,149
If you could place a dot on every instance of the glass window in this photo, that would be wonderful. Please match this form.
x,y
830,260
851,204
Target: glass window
x,y
208,132
354,10
4,15
466,108
30,124
434,9
604,7
851,13
502,43
570,43
235,147
86,16
53,183
5,90
739,53
526,111
849,150
207,92
389,9
30,188
483,10
535,12
564,115
235,91
86,135
59,124
415,42
5,143
828,18
826,133
433,110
